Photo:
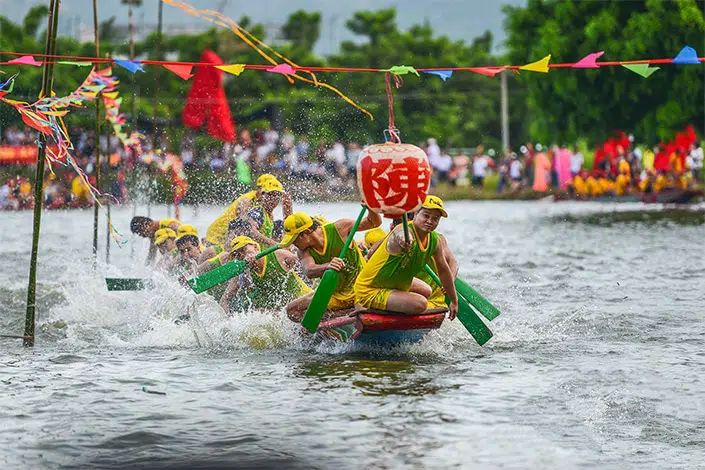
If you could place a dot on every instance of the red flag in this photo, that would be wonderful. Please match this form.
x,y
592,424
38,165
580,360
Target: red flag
x,y
206,101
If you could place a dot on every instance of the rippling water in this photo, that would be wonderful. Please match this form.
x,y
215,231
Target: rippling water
x,y
596,362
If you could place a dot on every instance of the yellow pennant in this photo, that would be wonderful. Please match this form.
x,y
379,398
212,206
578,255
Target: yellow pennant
x,y
234,69
538,66
111,95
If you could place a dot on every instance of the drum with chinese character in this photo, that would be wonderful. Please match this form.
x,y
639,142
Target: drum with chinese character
x,y
393,178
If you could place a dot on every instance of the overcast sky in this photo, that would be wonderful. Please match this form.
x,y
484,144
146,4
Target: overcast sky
x,y
458,19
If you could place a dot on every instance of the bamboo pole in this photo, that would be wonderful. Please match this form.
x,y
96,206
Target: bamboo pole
x,y
97,139
47,86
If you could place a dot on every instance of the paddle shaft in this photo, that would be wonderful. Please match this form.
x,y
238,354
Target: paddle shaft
x,y
212,278
329,281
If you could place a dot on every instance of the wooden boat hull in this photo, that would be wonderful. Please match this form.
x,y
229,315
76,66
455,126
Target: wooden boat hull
x,y
664,197
381,327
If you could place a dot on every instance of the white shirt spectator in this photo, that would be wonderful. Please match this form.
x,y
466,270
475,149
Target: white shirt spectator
x,y
271,136
444,163
576,162
433,150
338,153
479,166
515,169
697,155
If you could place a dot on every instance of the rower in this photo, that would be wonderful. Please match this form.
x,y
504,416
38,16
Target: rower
x,y
188,244
165,241
261,216
146,227
235,228
319,248
273,283
387,281
216,234
372,237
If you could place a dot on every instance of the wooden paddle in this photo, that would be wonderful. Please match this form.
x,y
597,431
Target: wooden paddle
x,y
467,316
128,283
329,281
223,273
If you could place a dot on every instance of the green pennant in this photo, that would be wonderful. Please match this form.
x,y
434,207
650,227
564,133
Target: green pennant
x,y
641,69
402,70
77,64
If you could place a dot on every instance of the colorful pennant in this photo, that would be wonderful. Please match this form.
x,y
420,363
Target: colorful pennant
x,y
402,70
25,60
538,66
444,74
588,62
284,69
182,71
233,69
640,69
687,55
131,66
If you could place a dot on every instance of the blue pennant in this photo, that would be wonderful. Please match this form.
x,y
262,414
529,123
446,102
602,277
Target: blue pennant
x,y
444,74
132,66
687,55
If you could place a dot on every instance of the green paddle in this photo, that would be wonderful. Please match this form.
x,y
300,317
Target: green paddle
x,y
223,273
128,283
467,316
473,297
329,281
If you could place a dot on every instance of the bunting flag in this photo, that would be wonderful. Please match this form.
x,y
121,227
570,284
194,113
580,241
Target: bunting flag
x,y
588,62
76,63
489,71
402,70
444,74
687,55
233,69
538,66
131,66
46,116
640,69
284,69
182,71
25,60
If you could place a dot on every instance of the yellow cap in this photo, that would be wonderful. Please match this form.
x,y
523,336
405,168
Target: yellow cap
x,y
293,225
162,235
241,241
265,177
434,202
271,185
186,229
320,219
373,236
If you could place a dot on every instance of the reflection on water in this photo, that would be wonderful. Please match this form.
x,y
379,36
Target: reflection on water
x,y
646,217
377,377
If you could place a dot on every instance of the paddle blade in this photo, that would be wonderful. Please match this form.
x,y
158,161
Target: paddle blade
x,y
219,275
474,298
127,283
320,300
473,323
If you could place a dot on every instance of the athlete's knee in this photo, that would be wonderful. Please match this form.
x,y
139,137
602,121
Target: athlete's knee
x,y
418,304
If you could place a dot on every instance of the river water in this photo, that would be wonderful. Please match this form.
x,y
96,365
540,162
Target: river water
x,y
597,359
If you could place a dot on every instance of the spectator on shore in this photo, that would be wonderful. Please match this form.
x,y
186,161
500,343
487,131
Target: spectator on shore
x,y
576,161
479,168
696,155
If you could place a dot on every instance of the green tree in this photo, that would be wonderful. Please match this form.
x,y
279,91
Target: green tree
x,y
568,104
303,29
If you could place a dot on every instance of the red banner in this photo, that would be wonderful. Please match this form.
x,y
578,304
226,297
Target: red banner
x,y
20,155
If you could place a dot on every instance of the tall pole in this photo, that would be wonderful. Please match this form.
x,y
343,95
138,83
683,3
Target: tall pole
x,y
157,70
97,138
505,112
47,86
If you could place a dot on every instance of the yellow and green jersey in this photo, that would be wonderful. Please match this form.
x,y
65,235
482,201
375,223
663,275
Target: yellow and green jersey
x,y
387,271
275,287
219,228
164,223
333,244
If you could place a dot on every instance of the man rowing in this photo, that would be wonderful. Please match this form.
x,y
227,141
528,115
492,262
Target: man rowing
x,y
273,283
188,244
319,248
146,227
387,281
165,241
261,216
216,234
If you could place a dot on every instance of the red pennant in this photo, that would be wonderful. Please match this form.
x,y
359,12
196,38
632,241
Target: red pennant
x,y
489,71
183,71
